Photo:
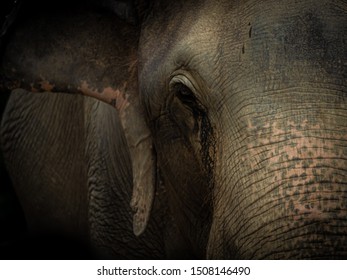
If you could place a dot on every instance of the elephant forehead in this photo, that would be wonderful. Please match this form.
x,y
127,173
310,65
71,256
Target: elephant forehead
x,y
246,46
205,31
268,33
175,34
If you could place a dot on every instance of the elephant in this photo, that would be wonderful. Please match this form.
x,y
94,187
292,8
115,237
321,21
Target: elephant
x,y
201,129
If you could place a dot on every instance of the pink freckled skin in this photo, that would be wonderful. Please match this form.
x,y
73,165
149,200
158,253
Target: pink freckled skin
x,y
302,212
107,95
289,180
304,164
46,85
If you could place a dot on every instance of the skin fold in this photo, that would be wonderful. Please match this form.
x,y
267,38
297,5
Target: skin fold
x,y
224,136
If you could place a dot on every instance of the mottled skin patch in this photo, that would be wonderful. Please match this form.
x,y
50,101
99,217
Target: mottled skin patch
x,y
313,166
117,98
46,86
294,181
113,96
293,187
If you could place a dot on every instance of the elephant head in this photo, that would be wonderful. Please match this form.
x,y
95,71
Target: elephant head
x,y
239,105
246,102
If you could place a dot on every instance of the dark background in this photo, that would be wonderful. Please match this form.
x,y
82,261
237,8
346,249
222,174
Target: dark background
x,y
12,222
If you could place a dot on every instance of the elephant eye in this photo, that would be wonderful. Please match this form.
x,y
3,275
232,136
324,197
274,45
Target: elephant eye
x,y
185,108
185,95
182,88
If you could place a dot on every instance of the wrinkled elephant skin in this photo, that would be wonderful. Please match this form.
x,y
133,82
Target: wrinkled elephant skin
x,y
231,120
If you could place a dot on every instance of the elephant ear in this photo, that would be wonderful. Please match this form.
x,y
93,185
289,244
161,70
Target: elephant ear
x,y
94,54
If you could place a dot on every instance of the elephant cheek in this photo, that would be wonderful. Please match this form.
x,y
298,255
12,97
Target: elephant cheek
x,y
288,198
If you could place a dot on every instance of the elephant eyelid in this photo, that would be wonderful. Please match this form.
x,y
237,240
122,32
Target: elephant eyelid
x,y
181,87
181,79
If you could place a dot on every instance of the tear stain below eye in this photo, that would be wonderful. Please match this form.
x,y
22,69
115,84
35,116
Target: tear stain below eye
x,y
116,97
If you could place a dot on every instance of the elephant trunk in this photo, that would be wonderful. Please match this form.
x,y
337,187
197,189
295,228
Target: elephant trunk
x,y
287,190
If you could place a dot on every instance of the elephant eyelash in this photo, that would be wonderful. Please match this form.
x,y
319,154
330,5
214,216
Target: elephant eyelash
x,y
188,98
184,94
183,86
